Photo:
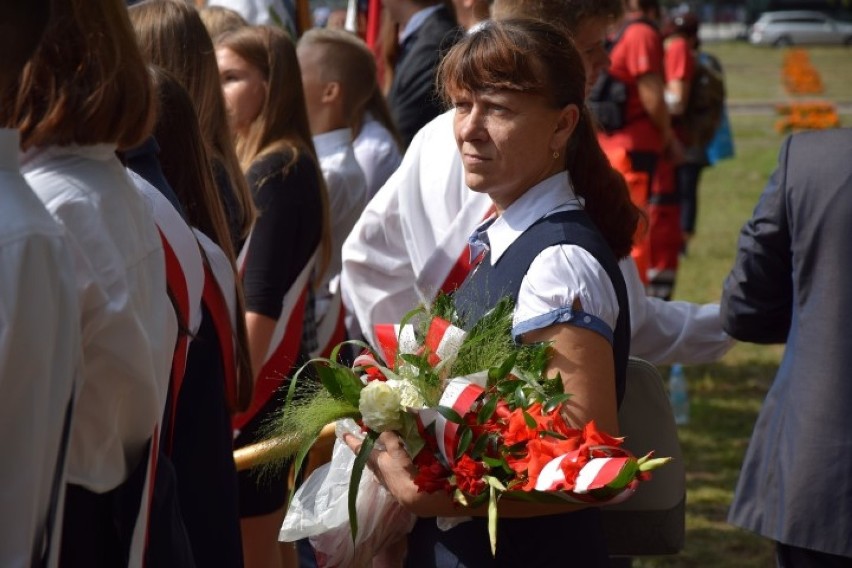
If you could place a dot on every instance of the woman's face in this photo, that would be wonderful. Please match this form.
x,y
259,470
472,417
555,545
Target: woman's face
x,y
507,141
244,88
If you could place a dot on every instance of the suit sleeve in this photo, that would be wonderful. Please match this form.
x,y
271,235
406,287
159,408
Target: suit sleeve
x,y
757,300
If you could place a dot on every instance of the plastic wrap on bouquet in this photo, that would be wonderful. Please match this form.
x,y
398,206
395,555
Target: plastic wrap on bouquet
x,y
319,512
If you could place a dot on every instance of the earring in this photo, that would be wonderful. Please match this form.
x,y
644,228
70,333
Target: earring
x,y
556,155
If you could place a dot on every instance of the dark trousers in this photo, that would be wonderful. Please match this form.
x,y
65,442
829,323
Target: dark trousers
x,y
795,557
686,180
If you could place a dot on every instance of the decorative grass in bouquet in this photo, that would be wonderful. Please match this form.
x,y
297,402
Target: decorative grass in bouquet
x,y
478,415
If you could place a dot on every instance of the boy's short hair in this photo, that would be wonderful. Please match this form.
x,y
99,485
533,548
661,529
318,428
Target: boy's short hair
x,y
345,59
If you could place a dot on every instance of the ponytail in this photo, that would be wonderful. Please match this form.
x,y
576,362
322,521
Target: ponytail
x,y
602,187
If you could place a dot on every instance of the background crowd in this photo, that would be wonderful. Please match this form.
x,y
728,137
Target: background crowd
x,y
195,202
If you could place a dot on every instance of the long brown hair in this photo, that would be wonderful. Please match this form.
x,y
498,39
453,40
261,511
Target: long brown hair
x,y
186,166
282,123
533,56
172,36
85,84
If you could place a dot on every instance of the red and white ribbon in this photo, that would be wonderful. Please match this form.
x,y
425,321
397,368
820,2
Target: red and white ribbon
x,y
460,395
443,341
597,473
393,340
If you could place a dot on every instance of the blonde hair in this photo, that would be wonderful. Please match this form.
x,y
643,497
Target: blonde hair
x,y
345,59
172,36
85,84
282,123
220,20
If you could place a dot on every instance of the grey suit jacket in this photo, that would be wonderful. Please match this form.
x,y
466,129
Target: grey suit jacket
x,y
792,282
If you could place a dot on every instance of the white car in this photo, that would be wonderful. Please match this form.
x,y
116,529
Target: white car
x,y
797,27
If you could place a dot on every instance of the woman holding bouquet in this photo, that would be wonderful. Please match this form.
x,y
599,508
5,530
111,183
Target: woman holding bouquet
x,y
563,219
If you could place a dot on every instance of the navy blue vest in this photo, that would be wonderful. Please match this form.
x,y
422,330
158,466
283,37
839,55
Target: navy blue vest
x,y
488,284
574,539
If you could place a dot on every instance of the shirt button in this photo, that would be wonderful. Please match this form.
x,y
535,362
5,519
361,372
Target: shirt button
x,y
587,319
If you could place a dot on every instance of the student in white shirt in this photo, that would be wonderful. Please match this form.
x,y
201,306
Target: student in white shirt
x,y
335,91
85,92
39,336
410,242
377,145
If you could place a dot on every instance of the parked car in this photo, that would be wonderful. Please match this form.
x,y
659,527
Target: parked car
x,y
800,26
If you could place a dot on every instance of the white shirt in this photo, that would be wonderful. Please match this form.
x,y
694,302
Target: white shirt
x,y
128,325
377,154
347,196
39,358
413,231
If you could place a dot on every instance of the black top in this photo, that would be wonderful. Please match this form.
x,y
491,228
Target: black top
x,y
287,230
143,161
412,98
229,203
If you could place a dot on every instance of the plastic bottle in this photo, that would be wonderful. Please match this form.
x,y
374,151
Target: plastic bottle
x,y
678,395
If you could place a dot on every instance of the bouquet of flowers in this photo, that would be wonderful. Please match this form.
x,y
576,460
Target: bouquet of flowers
x,y
476,412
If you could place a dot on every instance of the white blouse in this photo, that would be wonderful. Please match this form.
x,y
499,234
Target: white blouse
x,y
39,359
127,321
560,275
377,154
347,197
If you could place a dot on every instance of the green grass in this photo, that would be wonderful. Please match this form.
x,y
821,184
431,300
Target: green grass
x,y
754,73
726,396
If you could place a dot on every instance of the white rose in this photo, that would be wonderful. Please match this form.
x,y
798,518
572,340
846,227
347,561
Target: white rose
x,y
380,407
409,395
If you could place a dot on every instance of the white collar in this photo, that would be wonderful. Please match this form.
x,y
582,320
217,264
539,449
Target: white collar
x,y
10,142
332,141
101,152
416,21
554,194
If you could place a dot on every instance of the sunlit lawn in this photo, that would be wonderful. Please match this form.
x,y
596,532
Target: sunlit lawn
x,y
726,396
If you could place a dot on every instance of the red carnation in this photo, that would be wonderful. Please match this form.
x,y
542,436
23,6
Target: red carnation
x,y
431,475
469,474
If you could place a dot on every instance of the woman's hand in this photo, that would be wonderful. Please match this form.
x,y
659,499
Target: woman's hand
x,y
396,471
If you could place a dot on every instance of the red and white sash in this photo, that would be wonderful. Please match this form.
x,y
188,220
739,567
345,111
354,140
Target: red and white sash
x,y
284,346
220,298
449,264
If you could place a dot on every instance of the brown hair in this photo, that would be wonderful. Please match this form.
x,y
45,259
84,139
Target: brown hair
x,y
185,164
566,14
219,20
172,36
533,56
21,28
85,84
282,123
345,59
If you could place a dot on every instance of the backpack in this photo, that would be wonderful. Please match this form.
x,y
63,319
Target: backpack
x,y
706,102
608,96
